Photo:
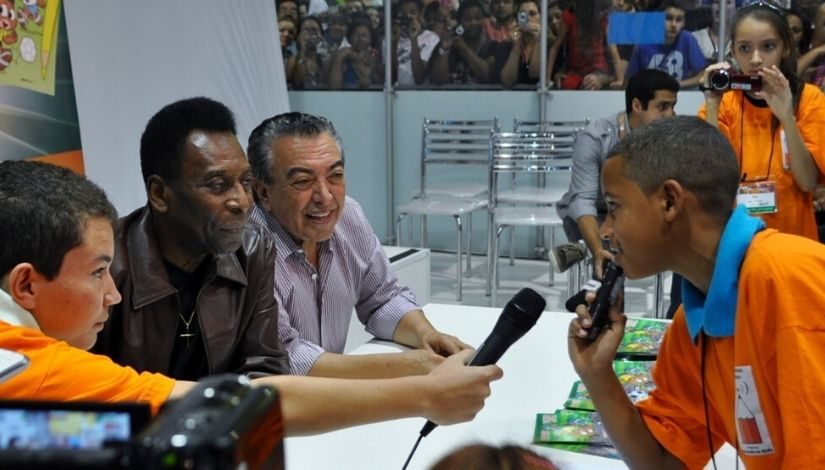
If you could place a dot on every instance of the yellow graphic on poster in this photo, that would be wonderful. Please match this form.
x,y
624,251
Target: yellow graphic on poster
x,y
28,41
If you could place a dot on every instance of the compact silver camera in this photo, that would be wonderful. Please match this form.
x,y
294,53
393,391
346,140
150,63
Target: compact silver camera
x,y
522,19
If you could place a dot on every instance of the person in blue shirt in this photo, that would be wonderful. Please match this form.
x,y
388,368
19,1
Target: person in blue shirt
x,y
680,55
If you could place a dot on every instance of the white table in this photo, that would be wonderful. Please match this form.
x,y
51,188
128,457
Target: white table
x,y
537,378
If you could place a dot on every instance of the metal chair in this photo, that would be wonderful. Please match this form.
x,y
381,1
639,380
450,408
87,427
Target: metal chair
x,y
445,145
563,131
523,155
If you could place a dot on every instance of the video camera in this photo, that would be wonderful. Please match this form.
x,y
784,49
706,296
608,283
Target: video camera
x,y
724,80
222,423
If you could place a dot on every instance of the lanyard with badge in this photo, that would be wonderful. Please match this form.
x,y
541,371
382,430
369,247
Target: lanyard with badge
x,y
758,195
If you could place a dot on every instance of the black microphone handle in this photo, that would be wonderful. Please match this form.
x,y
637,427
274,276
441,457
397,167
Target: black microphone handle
x,y
496,345
501,338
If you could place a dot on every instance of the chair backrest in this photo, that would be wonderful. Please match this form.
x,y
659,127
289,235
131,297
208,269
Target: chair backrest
x,y
529,153
560,129
453,142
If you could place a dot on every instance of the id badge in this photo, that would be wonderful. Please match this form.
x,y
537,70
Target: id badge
x,y
759,197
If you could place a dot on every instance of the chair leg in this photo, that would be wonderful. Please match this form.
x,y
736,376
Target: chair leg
x,y
424,231
469,261
458,267
495,266
488,286
512,234
398,228
659,297
552,280
572,277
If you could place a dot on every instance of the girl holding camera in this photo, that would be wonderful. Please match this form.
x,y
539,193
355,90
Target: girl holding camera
x,y
523,59
774,128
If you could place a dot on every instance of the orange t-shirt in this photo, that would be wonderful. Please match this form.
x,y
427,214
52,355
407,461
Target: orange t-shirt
x,y
61,372
748,128
779,341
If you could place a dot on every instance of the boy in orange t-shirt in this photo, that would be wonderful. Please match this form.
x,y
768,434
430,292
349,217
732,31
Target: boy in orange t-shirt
x,y
741,362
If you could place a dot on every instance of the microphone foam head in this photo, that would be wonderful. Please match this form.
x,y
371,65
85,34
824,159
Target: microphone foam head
x,y
529,304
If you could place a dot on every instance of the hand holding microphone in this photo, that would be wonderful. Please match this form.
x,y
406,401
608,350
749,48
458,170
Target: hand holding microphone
x,y
591,346
518,316
607,294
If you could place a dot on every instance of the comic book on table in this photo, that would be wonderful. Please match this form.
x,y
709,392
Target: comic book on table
x,y
577,427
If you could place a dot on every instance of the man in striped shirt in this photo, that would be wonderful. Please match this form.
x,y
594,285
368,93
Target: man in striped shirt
x,y
329,260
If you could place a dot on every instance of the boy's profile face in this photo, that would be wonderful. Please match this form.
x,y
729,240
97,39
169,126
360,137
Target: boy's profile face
x,y
634,224
74,305
674,23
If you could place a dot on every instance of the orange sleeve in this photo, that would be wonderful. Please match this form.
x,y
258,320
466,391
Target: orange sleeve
x,y
811,122
60,372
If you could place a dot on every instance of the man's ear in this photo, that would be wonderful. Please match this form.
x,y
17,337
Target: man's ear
x,y
262,192
636,105
158,193
673,199
23,282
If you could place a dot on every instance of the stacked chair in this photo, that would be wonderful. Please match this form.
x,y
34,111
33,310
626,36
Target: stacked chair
x,y
454,160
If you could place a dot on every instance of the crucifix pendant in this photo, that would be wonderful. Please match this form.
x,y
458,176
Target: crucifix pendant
x,y
187,335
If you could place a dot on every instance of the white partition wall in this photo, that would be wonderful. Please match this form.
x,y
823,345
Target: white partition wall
x,y
129,59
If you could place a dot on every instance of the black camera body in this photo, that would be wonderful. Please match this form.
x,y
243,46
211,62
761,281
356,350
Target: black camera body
x,y
724,80
223,422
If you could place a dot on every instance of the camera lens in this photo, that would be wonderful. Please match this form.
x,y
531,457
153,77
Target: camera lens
x,y
459,30
720,79
522,17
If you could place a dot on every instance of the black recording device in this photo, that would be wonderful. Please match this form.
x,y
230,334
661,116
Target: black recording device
x,y
218,424
725,79
606,295
517,318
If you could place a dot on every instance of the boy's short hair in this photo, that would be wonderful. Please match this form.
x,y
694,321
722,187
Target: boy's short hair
x,y
43,211
686,149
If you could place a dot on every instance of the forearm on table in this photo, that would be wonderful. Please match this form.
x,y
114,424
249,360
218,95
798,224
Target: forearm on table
x,y
367,366
623,423
312,405
412,327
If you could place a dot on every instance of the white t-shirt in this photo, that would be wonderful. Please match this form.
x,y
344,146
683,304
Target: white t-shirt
x,y
427,41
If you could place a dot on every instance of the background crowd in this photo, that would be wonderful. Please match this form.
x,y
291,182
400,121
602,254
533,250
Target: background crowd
x,y
496,43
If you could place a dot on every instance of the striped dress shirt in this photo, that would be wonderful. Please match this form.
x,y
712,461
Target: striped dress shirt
x,y
315,306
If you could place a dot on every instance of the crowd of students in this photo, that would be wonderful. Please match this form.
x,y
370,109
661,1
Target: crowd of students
x,y
495,43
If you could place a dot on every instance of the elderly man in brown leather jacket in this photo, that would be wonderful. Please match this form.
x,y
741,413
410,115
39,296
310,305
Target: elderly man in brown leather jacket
x,y
196,281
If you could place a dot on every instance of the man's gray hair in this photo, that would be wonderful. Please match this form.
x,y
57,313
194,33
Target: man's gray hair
x,y
261,140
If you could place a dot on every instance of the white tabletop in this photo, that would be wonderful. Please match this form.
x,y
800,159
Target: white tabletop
x,y
537,378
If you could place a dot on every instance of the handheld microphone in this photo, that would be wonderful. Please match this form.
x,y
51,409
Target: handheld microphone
x,y
606,295
518,316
